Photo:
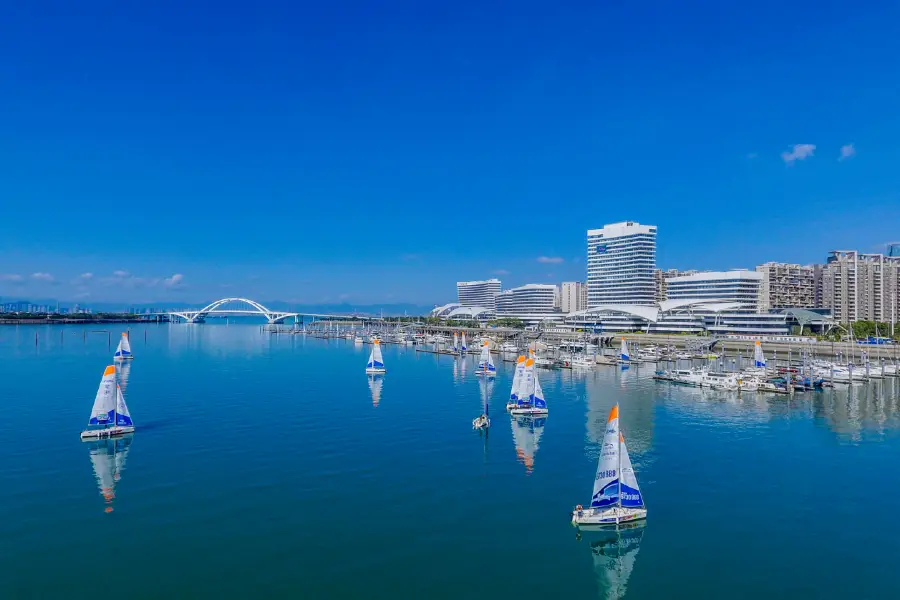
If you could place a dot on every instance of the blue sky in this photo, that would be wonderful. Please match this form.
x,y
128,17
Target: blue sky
x,y
379,152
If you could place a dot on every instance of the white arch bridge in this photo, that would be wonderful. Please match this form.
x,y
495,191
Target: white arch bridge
x,y
233,306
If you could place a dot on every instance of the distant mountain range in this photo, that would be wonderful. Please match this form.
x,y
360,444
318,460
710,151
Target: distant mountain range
x,y
392,310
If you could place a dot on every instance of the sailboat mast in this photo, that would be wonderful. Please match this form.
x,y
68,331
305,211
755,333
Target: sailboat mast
x,y
619,458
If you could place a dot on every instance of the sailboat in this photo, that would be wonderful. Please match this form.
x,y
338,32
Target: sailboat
x,y
759,359
484,421
376,362
109,416
617,497
527,433
375,383
485,364
462,346
530,399
455,342
614,556
517,377
624,356
108,459
123,350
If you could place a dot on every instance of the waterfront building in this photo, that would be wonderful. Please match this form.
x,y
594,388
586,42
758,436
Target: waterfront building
x,y
861,287
530,299
573,296
621,261
479,293
661,278
698,317
785,285
739,286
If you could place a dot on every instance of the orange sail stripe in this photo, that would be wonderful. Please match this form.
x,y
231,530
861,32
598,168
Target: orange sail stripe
x,y
614,413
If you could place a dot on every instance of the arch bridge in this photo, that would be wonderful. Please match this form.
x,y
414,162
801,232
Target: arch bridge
x,y
239,306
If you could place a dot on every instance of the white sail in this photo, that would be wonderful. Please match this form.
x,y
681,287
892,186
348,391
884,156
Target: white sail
x,y
455,341
517,378
123,417
463,342
103,411
758,357
526,384
378,359
630,494
484,361
375,383
537,394
606,481
123,350
526,436
623,351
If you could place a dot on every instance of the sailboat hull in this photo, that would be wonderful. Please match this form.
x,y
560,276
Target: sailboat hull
x,y
486,373
126,357
97,434
375,370
612,515
528,411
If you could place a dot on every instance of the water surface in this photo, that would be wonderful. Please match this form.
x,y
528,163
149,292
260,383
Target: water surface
x,y
272,466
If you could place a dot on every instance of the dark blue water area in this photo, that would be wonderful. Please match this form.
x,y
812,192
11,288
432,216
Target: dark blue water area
x,y
272,465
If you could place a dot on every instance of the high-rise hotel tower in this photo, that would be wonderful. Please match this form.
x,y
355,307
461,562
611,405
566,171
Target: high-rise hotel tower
x,y
621,260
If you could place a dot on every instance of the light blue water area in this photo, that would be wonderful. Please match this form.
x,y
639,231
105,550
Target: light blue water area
x,y
272,466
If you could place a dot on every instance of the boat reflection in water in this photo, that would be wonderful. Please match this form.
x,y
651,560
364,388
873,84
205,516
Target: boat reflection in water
x,y
123,372
108,458
375,383
527,433
614,550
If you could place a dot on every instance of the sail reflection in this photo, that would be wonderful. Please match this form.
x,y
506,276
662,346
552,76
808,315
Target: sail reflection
x,y
527,433
375,383
108,459
123,371
615,552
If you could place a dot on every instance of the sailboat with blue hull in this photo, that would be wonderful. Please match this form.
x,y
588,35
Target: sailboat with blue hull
x,y
123,350
109,416
485,364
518,375
530,399
376,361
617,497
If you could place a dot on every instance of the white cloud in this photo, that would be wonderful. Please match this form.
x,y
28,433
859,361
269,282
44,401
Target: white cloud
x,y
121,274
549,260
13,277
46,277
847,151
173,281
86,276
798,152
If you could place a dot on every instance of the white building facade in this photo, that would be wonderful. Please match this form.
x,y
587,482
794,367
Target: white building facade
x,y
573,296
479,293
742,287
531,299
621,263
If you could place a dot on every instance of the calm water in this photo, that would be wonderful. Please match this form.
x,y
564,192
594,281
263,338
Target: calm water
x,y
271,466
